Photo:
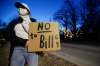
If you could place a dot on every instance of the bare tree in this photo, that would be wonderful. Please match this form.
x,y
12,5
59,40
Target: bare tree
x,y
67,15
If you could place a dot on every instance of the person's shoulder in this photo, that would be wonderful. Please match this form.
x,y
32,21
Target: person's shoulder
x,y
33,20
15,21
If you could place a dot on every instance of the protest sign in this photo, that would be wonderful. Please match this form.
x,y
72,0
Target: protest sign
x,y
43,36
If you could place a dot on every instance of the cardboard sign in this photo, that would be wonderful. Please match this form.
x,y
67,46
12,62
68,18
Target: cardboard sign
x,y
43,36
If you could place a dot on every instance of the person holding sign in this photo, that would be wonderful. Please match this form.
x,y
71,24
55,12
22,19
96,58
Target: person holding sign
x,y
18,36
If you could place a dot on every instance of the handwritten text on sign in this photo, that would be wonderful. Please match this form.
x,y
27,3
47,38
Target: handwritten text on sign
x,y
43,36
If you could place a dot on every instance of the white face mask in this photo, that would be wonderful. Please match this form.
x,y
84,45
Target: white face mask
x,y
23,11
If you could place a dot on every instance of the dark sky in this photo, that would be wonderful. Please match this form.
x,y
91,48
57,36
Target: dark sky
x,y
42,10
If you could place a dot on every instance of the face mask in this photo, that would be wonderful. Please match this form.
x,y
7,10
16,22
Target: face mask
x,y
23,11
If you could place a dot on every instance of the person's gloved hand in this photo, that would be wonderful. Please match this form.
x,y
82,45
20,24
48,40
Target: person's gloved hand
x,y
41,53
45,53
